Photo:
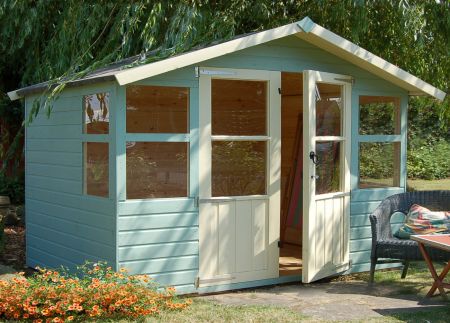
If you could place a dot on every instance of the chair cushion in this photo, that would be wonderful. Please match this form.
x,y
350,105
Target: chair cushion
x,y
421,220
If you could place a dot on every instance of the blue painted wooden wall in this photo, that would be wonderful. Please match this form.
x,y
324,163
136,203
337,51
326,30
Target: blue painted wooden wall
x,y
160,237
63,226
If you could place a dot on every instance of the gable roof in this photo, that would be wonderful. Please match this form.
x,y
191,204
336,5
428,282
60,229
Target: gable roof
x,y
305,29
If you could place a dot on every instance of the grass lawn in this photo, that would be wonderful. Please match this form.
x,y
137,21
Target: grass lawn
x,y
421,184
412,184
417,282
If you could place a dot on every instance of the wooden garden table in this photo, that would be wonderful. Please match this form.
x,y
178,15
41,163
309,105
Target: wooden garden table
x,y
441,241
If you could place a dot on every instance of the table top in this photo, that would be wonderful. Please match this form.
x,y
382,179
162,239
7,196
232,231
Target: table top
x,y
441,241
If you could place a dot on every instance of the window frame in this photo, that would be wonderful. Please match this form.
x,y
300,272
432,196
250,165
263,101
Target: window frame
x,y
157,137
98,138
380,138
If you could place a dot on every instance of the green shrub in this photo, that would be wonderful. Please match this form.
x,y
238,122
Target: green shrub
x,y
429,161
14,187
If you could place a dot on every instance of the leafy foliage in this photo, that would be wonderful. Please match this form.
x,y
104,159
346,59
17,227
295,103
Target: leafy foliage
x,y
63,40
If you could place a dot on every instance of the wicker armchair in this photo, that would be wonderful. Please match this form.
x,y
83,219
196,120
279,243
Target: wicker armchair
x,y
392,249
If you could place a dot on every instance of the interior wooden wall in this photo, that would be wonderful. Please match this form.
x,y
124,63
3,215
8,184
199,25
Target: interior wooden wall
x,y
291,118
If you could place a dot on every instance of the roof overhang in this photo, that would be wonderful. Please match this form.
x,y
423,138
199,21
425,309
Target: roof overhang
x,y
305,29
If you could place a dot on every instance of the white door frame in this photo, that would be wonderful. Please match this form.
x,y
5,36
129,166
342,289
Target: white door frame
x,y
310,270
206,275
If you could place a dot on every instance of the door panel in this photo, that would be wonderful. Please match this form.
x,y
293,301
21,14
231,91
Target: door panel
x,y
327,174
239,176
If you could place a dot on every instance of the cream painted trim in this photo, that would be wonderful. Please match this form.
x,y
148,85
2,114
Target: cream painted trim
x,y
305,29
142,72
13,95
329,41
311,271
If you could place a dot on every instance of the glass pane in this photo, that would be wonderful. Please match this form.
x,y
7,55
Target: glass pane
x,y
379,164
157,109
96,169
328,169
239,108
328,109
379,115
157,169
96,113
238,168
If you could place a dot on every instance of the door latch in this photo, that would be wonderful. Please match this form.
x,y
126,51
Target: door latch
x,y
313,156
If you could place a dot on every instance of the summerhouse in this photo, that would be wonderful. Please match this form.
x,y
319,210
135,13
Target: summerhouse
x,y
250,162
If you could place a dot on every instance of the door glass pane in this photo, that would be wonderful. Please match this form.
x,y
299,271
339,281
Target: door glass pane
x,y
157,169
328,109
157,109
96,170
379,164
328,168
96,113
379,115
239,108
238,168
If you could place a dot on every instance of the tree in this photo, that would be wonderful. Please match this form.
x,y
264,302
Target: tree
x,y
60,40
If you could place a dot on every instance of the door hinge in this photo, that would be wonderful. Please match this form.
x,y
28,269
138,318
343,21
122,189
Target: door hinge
x,y
196,201
197,282
280,244
197,72
279,90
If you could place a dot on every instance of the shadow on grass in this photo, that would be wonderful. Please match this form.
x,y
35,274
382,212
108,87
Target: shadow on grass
x,y
388,283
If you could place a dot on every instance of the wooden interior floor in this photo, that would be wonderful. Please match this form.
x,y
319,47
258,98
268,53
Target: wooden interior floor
x,y
290,260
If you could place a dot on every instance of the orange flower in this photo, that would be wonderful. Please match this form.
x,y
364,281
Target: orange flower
x,y
45,312
70,318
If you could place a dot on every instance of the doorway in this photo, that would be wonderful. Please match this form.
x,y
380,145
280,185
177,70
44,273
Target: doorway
x,y
239,190
291,206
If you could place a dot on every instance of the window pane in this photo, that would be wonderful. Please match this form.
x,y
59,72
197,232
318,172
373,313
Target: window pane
x,y
157,109
379,164
379,115
96,169
157,169
238,168
328,109
96,113
328,168
239,108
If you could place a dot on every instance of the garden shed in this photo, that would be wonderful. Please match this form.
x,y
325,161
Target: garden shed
x,y
235,165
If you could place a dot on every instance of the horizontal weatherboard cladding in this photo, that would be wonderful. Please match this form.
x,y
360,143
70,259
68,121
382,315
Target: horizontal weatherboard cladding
x,y
163,245
64,227
363,202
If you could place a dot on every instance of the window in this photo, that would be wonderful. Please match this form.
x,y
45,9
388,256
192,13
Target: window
x,y
157,109
239,137
379,164
96,168
379,115
96,148
96,113
380,141
157,164
157,169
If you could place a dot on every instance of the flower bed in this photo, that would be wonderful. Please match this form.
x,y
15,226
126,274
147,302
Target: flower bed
x,y
96,292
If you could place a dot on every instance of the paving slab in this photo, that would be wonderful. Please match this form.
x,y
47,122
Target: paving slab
x,y
332,301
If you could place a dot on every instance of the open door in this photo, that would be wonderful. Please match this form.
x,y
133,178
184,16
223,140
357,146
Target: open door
x,y
326,169
240,147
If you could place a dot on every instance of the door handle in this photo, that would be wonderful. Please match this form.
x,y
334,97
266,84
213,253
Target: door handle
x,y
314,157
